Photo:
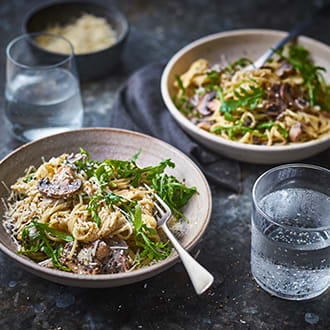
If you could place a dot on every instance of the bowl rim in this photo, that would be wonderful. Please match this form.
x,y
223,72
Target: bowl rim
x,y
48,4
271,219
157,267
184,122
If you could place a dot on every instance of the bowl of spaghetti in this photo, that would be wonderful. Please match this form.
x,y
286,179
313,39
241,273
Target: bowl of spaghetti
x,y
79,213
278,113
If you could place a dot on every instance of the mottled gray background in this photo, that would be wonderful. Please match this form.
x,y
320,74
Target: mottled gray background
x,y
158,30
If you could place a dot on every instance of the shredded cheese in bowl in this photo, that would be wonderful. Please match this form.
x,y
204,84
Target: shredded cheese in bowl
x,y
87,34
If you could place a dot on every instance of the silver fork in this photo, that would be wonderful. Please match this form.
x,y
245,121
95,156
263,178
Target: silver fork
x,y
315,17
199,276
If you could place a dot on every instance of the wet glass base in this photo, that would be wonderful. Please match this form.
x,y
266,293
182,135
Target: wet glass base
x,y
305,296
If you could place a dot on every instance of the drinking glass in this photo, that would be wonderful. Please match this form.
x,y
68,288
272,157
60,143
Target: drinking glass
x,y
290,247
42,88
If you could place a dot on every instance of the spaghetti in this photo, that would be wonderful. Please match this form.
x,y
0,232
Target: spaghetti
x,y
286,101
91,217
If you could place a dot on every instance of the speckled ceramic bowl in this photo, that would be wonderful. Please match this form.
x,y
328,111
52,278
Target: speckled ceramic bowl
x,y
233,45
108,143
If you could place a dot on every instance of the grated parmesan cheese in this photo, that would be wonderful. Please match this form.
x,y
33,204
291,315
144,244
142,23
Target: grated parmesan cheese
x,y
87,34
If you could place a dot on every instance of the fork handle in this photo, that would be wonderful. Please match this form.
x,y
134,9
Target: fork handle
x,y
321,12
293,34
200,277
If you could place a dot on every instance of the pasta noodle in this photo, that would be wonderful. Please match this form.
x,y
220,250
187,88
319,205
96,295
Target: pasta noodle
x,y
286,101
106,211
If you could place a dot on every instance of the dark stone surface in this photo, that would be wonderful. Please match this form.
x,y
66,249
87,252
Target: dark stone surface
x,y
167,301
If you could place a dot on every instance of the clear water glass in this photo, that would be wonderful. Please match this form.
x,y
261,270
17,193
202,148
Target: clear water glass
x,y
42,90
290,247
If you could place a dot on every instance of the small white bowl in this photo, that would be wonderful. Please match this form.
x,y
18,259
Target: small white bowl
x,y
233,45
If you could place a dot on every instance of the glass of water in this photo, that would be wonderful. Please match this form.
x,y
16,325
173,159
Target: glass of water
x,y
290,247
42,88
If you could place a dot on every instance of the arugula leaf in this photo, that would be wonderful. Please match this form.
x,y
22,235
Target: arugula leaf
x,y
270,124
232,130
29,178
244,98
172,192
180,84
92,208
180,102
228,116
103,174
111,200
58,234
313,78
214,80
84,152
123,203
134,158
213,76
152,250
138,223
38,245
88,166
124,169
242,62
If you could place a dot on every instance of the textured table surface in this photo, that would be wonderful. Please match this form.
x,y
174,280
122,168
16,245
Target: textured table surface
x,y
167,301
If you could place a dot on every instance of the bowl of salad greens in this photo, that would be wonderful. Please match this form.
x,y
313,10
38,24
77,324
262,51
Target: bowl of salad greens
x,y
276,114
75,210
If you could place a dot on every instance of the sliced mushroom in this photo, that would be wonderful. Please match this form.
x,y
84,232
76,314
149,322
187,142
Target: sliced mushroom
x,y
301,104
102,250
204,125
202,106
325,113
106,256
214,105
118,263
279,116
276,107
284,70
274,90
63,184
287,93
247,121
74,265
256,139
295,132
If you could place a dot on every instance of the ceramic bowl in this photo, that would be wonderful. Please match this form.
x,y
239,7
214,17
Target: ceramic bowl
x,y
108,143
93,65
233,45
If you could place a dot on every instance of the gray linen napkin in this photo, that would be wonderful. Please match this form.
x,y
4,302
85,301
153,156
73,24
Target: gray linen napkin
x,y
138,106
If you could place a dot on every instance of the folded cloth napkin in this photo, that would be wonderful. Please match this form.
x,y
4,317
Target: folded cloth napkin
x,y
138,106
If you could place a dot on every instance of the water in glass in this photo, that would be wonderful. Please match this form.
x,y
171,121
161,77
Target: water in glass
x,y
289,258
42,91
43,102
